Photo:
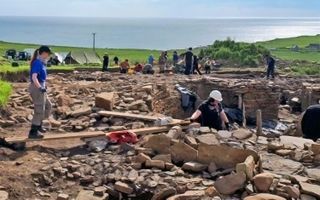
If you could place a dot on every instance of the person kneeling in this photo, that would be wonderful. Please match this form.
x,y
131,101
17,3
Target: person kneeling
x,y
211,114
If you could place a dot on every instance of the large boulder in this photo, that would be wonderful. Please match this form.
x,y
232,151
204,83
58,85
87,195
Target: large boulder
x,y
209,139
4,195
229,184
231,156
189,195
159,144
181,152
264,196
272,162
310,189
248,167
105,100
263,181
295,141
89,195
194,167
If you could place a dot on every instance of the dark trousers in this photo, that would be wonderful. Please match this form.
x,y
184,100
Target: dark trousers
x,y
196,68
207,68
105,68
123,71
188,69
270,72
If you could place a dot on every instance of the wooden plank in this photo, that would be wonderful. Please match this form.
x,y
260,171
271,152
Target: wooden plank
x,y
127,115
141,117
259,122
82,135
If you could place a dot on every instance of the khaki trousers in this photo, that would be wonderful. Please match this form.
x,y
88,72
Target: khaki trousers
x,y
42,105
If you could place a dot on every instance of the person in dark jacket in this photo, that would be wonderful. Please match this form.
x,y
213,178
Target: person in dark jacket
x,y
196,65
211,114
116,60
105,63
310,122
188,61
270,66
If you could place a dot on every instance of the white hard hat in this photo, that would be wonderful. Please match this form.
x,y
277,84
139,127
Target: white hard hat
x,y
215,94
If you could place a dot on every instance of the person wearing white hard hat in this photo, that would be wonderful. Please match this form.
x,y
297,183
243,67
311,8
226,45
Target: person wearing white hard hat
x,y
211,114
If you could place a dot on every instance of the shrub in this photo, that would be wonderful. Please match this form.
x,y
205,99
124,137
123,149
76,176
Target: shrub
x,y
240,53
5,92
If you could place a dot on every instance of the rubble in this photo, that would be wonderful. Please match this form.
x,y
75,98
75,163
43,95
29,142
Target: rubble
x,y
181,162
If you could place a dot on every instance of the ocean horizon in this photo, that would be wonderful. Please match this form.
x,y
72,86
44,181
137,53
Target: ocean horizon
x,y
150,33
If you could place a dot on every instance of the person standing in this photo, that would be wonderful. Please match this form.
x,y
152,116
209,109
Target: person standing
x,y
105,62
188,61
270,66
116,60
38,91
163,61
151,60
207,66
196,65
175,58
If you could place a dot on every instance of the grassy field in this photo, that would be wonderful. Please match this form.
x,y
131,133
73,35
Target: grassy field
x,y
5,91
301,41
281,48
134,55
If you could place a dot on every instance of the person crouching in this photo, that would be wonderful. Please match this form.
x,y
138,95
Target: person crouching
x,y
211,114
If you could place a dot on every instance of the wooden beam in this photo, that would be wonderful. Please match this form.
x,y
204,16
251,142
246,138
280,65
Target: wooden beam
x,y
244,122
127,115
259,122
83,135
140,117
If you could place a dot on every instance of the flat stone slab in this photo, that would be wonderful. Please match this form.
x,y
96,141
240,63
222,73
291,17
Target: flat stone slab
x,y
279,164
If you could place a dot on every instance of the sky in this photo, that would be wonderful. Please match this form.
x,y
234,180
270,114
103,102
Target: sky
x,y
163,8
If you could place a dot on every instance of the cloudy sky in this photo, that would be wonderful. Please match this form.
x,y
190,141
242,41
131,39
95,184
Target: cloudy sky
x,y
162,8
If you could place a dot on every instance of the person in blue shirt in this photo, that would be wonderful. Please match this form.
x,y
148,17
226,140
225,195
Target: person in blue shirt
x,y
38,91
175,58
151,60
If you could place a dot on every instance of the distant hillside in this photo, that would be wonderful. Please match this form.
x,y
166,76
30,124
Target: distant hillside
x,y
282,48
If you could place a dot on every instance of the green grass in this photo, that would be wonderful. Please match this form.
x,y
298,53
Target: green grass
x,y
134,55
281,48
287,54
306,70
302,41
5,92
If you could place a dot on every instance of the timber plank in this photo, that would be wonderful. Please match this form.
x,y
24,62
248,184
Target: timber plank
x,y
82,135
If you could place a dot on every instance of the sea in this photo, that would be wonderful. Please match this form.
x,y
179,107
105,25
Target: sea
x,y
153,33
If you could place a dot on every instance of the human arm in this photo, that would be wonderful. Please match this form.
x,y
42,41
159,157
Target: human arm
x,y
195,115
35,80
224,120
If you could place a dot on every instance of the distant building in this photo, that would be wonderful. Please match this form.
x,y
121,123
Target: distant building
x,y
314,47
295,48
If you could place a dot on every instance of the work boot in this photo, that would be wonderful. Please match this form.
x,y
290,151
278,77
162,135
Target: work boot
x,y
35,133
41,129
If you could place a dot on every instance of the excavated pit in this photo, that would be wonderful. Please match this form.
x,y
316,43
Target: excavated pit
x,y
50,168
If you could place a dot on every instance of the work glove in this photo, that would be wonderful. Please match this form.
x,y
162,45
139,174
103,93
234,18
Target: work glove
x,y
43,90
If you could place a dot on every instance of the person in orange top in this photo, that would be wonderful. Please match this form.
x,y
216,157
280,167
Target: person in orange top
x,y
124,66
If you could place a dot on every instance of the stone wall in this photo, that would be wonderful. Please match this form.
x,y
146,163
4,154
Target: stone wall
x,y
256,94
310,95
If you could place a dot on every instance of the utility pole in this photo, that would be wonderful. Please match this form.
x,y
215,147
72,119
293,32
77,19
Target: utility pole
x,y
94,41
